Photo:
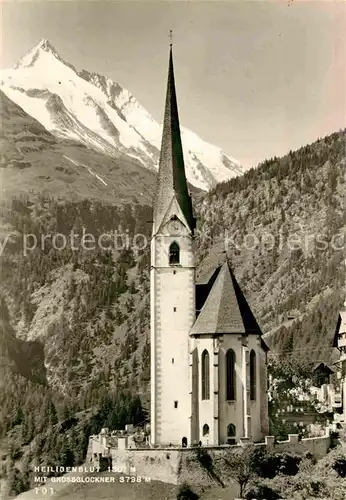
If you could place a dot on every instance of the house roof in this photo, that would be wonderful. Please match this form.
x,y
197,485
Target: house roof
x,y
225,309
171,180
323,367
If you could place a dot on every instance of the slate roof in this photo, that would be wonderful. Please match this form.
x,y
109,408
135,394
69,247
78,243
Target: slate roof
x,y
171,179
203,289
225,309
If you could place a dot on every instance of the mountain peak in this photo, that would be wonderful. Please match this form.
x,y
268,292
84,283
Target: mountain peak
x,y
46,45
33,55
102,115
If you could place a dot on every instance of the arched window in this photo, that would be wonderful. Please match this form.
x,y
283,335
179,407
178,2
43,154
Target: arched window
x,y
174,253
205,375
231,434
230,376
252,375
205,429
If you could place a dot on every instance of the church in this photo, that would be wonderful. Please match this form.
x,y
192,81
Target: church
x,y
208,357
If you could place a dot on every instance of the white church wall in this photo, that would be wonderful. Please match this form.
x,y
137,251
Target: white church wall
x,y
230,412
263,383
255,406
207,406
173,313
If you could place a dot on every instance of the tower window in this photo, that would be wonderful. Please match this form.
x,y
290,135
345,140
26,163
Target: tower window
x,y
174,309
252,375
205,375
172,361
174,253
230,376
175,404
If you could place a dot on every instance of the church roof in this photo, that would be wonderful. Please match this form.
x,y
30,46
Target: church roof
x,y
225,310
171,181
203,288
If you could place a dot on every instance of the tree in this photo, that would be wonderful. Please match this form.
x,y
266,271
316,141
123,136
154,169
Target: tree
x,y
50,414
16,483
66,457
243,466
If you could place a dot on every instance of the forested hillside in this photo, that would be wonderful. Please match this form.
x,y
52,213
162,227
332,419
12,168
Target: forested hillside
x,y
78,354
283,226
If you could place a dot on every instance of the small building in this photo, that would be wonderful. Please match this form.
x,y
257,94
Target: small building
x,y
321,374
340,343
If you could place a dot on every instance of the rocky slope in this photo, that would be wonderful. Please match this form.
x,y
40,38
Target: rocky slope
x,y
34,160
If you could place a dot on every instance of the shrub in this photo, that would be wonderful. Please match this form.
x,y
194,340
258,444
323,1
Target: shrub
x,y
204,459
262,492
186,493
340,466
272,464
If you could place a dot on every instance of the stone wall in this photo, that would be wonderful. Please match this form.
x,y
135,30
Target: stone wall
x,y
158,464
317,446
176,465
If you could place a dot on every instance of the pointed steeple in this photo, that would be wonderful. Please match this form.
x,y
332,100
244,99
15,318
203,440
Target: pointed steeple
x,y
171,180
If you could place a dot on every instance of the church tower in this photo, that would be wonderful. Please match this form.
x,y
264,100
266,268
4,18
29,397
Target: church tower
x,y
172,286
208,357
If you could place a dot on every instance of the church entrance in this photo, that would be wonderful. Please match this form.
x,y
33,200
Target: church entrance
x,y
184,442
231,434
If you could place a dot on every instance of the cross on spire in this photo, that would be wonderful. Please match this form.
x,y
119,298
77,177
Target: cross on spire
x,y
170,38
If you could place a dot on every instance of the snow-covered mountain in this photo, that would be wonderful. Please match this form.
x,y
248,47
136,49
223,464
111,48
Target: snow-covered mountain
x,y
99,113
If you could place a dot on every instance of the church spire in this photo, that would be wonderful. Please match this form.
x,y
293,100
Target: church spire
x,y
171,180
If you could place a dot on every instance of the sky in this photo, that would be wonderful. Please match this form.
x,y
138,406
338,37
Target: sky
x,y
256,78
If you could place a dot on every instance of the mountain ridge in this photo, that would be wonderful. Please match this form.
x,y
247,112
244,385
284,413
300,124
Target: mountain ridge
x,y
33,160
98,112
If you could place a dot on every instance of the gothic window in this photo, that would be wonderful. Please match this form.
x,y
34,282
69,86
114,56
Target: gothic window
x,y
174,253
205,375
230,376
252,375
231,434
205,429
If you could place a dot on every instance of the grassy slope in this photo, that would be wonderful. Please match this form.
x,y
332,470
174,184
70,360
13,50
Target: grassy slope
x,y
153,490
